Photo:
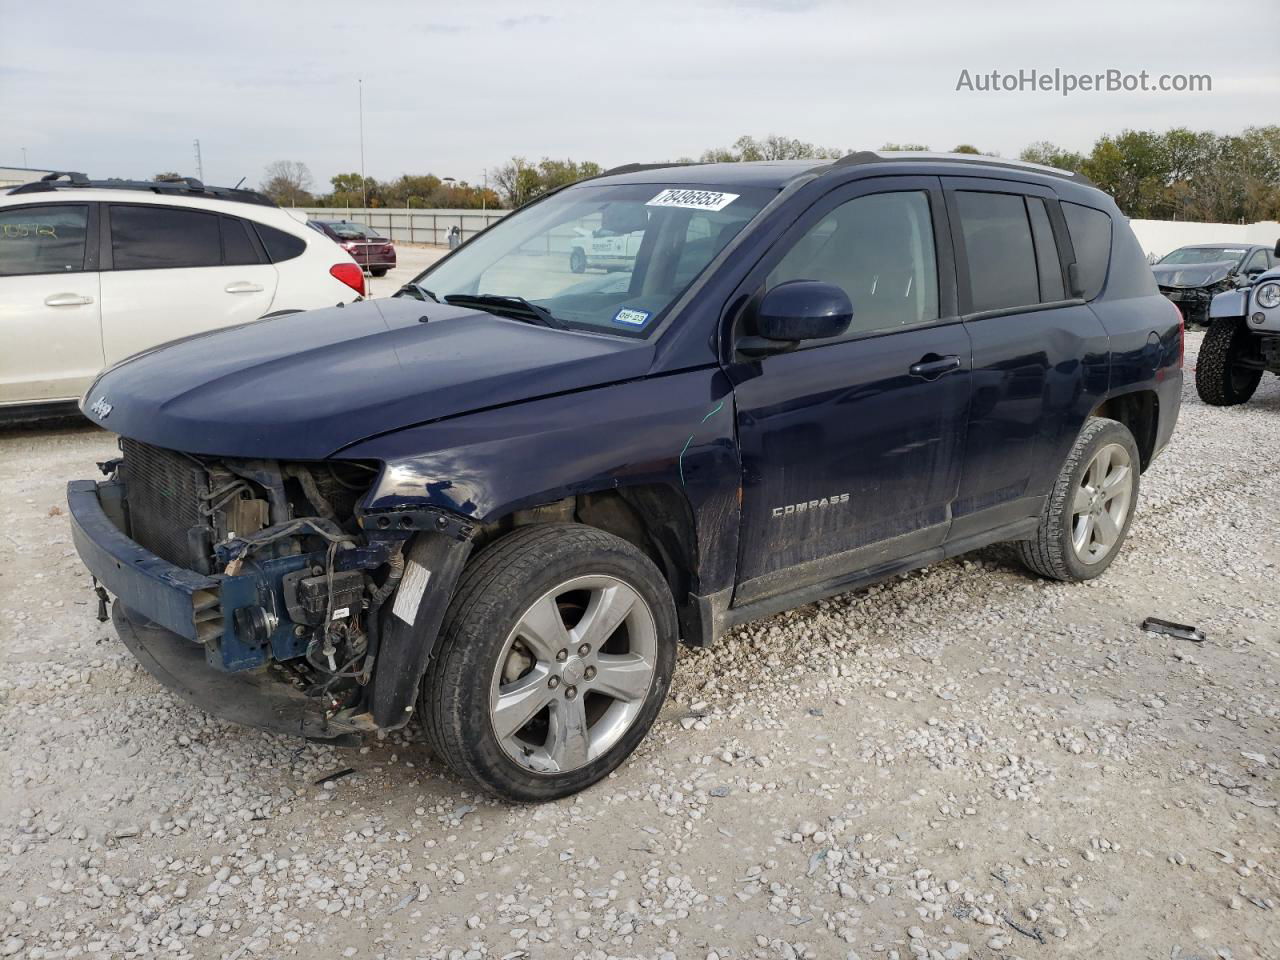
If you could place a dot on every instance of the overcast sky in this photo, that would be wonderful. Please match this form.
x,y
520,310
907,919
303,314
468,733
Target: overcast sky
x,y
122,89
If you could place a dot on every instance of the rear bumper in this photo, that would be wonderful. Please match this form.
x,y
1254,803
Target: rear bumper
x,y
251,698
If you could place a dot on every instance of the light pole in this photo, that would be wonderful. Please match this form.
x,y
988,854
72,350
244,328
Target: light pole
x,y
364,185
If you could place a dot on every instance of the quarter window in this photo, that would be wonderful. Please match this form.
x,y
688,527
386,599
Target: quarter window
x,y
879,249
1090,231
280,245
156,237
999,250
42,239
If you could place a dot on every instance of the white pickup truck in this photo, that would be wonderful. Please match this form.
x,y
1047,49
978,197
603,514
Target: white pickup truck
x,y
604,249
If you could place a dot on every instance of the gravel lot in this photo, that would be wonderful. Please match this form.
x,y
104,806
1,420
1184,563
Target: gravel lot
x,y
962,763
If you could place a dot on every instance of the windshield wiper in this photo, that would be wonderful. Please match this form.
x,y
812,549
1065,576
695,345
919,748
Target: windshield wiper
x,y
417,292
514,308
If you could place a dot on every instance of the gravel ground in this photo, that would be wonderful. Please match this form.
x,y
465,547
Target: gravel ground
x,y
962,763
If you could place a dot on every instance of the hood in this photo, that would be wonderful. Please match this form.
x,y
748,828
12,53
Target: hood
x,y
1192,274
302,386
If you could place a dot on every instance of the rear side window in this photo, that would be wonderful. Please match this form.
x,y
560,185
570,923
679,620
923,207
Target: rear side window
x,y
1090,231
238,247
1050,267
998,246
42,239
280,245
156,237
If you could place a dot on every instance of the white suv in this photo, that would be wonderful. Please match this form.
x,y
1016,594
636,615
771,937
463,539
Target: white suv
x,y
92,272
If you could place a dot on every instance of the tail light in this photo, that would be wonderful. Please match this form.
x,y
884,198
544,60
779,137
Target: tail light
x,y
350,274
1182,338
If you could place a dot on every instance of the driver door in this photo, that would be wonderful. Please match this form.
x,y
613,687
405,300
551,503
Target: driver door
x,y
851,447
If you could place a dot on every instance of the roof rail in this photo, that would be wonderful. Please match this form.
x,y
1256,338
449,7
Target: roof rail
x,y
183,186
885,156
637,167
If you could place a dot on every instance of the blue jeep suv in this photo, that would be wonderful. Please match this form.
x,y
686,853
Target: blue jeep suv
x,y
500,498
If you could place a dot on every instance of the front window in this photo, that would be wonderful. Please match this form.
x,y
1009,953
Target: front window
x,y
608,258
1191,255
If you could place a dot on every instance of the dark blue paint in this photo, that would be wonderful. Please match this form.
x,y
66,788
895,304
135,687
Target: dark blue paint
x,y
804,310
301,386
482,416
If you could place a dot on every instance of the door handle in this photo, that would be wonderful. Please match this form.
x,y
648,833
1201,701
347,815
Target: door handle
x,y
66,300
932,366
243,286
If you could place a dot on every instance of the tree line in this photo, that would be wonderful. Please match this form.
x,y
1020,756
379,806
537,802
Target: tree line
x,y
1179,174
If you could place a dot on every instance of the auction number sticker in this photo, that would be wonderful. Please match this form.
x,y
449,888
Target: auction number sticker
x,y
693,199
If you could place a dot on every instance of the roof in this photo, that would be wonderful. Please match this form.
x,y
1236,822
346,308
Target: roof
x,y
779,173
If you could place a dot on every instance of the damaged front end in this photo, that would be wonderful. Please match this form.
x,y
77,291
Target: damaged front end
x,y
258,589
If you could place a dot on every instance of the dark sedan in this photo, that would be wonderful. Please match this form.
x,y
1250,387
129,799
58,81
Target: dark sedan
x,y
371,250
1192,276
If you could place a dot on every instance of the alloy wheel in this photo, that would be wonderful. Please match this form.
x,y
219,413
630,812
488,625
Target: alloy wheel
x,y
1102,503
573,674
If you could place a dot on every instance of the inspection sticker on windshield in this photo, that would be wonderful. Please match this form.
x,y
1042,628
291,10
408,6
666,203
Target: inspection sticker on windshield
x,y
632,318
693,199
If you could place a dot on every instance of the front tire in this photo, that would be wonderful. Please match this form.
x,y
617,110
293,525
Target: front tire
x,y
1220,380
577,260
1087,515
554,659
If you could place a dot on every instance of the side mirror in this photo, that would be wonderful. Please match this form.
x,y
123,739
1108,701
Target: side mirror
x,y
795,311
1254,271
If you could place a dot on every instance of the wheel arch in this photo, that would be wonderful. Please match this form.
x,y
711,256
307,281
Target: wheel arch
x,y
655,518
1139,411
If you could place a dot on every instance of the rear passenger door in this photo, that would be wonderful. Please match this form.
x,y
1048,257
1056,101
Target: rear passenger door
x,y
1040,355
169,272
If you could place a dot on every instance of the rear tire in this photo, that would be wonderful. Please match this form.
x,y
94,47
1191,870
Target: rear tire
x,y
379,271
1087,515
1219,380
554,659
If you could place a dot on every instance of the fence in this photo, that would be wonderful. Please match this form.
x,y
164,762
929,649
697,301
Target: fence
x,y
411,225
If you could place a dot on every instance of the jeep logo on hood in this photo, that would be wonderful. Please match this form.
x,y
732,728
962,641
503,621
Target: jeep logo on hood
x,y
100,409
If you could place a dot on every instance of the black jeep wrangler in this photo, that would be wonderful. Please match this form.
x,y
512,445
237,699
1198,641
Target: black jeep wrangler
x,y
499,499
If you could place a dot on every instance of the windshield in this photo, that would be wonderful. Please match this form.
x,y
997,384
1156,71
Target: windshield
x,y
1205,255
609,258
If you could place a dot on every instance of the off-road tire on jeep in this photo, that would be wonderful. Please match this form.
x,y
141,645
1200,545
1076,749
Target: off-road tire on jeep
x,y
1219,381
577,260
379,271
1052,552
499,590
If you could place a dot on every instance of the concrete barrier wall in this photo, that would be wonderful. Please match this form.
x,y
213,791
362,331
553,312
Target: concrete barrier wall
x,y
1158,237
